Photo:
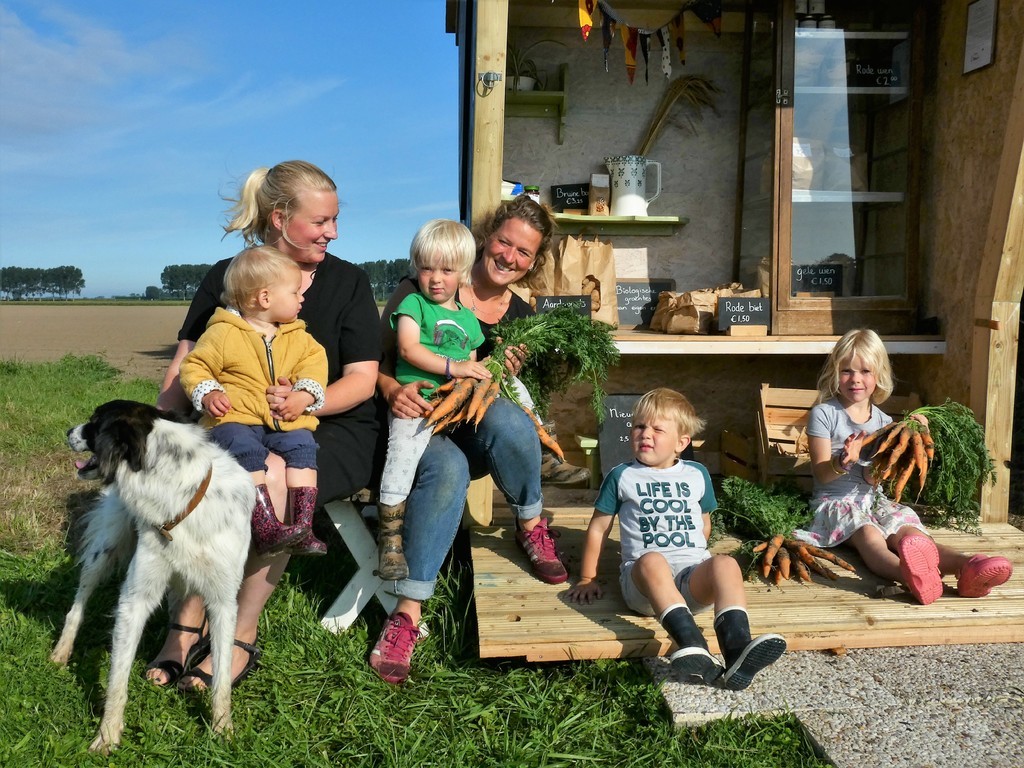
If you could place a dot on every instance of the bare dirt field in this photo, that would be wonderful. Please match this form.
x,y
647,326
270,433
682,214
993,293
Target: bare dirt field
x,y
138,340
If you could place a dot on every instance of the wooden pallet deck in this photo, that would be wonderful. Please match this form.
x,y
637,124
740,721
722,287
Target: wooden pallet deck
x,y
519,616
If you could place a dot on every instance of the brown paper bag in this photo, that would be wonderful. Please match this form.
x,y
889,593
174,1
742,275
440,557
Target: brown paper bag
x,y
539,282
587,268
666,304
694,312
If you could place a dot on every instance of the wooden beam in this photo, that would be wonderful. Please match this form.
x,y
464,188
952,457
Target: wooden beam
x,y
997,302
489,107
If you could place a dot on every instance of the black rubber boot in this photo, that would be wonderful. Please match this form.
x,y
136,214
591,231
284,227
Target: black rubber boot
x,y
693,659
744,657
391,564
268,533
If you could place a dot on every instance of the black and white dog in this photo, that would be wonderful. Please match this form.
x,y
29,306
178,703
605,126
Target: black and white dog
x,y
180,507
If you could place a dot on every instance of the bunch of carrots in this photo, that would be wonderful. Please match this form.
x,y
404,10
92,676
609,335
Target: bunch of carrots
x,y
466,400
902,447
560,348
785,558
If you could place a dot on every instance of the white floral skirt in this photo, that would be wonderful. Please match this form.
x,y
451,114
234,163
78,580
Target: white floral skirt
x,y
837,518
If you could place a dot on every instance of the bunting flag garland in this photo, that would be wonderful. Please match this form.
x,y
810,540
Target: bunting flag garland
x,y
629,39
586,17
708,11
678,27
645,49
607,29
666,57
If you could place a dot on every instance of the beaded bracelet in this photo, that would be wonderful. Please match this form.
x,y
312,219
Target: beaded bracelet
x,y
448,368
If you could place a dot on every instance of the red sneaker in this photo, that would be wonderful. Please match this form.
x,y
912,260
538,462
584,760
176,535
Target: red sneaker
x,y
981,573
539,546
391,655
919,566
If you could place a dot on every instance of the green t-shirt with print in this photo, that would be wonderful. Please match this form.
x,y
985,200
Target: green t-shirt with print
x,y
446,332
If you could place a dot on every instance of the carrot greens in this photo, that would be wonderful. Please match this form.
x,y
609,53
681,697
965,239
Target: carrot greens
x,y
961,465
562,348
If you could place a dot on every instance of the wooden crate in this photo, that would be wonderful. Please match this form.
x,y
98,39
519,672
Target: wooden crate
x,y
782,427
738,457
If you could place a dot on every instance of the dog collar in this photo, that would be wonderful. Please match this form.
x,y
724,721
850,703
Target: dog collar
x,y
165,529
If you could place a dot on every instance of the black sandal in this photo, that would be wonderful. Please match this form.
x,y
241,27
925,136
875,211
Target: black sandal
x,y
175,669
207,679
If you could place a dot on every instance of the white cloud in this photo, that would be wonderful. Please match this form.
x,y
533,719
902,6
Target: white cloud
x,y
64,73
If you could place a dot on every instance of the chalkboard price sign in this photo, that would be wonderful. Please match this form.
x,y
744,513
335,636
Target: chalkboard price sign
x,y
884,73
818,278
733,310
572,196
638,298
613,438
580,303
613,435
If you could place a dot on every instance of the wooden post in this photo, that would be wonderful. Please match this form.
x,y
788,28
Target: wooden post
x,y
489,107
997,300
479,502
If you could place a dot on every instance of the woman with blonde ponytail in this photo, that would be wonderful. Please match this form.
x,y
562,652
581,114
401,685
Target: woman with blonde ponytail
x,y
293,207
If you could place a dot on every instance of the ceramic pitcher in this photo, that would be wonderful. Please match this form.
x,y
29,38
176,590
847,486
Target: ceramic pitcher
x,y
629,184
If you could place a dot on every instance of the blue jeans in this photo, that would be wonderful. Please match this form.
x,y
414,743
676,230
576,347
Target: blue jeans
x,y
504,445
250,444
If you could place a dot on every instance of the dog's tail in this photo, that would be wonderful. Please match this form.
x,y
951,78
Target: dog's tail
x,y
108,533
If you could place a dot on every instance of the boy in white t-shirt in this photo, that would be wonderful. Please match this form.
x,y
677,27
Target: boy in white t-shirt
x,y
664,506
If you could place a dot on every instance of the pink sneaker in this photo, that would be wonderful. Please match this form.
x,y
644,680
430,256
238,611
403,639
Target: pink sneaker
x,y
539,546
391,655
919,566
981,573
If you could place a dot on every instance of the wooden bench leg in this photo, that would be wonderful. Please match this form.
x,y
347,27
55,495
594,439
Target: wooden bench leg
x,y
364,584
479,502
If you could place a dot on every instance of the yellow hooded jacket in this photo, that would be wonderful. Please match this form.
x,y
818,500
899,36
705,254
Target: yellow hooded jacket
x,y
235,356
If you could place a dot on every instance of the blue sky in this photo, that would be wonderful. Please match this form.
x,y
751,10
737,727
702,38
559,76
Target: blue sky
x,y
123,125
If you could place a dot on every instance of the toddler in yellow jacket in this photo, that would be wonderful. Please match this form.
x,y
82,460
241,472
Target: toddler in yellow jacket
x,y
252,344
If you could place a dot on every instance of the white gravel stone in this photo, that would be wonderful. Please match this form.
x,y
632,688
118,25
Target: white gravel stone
x,y
922,706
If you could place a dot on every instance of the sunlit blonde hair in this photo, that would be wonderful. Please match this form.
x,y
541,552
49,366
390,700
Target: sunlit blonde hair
x,y
273,189
251,271
665,403
443,244
865,344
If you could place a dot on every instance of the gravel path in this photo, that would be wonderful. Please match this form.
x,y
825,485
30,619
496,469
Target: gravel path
x,y
919,707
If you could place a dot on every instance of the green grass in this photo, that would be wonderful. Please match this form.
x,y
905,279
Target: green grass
x,y
315,700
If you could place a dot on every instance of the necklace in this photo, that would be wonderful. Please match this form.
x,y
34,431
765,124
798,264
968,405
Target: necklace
x,y
506,298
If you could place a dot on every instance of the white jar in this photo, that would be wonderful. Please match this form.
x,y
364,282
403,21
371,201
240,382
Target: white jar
x,y
801,7
816,7
808,23
826,22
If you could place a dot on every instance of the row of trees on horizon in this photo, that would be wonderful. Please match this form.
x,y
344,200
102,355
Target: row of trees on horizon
x,y
177,281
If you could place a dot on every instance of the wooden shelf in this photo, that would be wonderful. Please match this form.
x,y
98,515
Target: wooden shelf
x,y
842,196
653,343
853,90
553,104
844,34
575,224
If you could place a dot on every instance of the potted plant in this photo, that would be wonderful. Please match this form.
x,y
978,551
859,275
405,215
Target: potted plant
x,y
520,69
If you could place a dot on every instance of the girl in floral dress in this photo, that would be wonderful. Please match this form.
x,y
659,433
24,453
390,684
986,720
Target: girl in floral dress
x,y
888,536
